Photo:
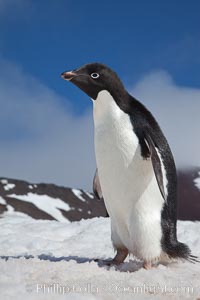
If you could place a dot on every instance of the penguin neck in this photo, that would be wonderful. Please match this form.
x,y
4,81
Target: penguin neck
x,y
105,108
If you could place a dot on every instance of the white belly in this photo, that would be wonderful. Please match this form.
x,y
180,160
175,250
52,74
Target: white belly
x,y
128,183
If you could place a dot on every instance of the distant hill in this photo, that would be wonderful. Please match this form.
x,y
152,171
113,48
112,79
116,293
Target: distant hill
x,y
48,201
189,194
52,202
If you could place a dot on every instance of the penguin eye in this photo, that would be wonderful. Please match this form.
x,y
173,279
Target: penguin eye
x,y
94,75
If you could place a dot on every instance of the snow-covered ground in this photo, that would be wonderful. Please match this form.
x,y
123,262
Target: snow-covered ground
x,y
55,260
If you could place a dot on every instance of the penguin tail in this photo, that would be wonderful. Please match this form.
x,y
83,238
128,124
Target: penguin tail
x,y
180,250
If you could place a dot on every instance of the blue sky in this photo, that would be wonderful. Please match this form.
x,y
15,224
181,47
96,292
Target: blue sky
x,y
156,43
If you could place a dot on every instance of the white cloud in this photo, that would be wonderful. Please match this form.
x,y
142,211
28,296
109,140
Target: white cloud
x,y
42,141
178,111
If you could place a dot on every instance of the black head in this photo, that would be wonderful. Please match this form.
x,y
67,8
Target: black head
x,y
93,78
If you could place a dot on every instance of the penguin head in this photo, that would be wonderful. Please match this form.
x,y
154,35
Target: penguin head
x,y
94,78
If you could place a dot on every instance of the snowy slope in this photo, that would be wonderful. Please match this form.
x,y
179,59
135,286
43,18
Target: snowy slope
x,y
42,259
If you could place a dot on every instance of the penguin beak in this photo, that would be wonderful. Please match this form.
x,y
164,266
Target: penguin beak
x,y
81,80
68,75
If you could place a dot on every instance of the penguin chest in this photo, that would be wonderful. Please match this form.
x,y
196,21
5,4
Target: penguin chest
x,y
116,149
123,173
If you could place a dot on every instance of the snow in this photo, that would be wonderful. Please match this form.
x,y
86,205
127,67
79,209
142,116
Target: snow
x,y
2,201
9,186
78,194
4,181
10,209
46,203
197,181
43,259
90,195
30,186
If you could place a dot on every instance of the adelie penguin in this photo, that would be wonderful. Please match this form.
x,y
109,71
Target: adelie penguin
x,y
136,173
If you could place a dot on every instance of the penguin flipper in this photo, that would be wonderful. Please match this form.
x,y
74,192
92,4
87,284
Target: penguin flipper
x,y
156,162
97,186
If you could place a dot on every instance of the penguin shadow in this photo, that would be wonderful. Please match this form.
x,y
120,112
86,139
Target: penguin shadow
x,y
130,266
79,260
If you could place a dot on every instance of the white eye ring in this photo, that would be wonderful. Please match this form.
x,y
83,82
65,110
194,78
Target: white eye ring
x,y
94,75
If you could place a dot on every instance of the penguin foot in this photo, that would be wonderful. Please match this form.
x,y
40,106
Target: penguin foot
x,y
120,256
147,265
117,260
